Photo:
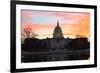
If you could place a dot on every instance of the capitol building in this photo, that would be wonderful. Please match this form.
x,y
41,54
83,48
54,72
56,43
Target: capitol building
x,y
58,41
56,48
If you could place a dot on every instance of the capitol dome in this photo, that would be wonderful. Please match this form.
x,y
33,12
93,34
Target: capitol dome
x,y
57,32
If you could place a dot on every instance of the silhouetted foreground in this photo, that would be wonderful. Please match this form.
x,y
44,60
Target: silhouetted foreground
x,y
55,49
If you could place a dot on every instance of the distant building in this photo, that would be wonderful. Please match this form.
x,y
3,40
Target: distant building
x,y
58,41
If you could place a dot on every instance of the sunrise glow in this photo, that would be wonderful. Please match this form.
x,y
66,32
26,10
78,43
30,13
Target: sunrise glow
x,y
44,22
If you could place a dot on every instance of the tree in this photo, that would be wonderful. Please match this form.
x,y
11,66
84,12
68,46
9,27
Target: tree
x,y
80,36
29,34
28,31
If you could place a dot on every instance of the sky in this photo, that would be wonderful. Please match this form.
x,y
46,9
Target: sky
x,y
43,23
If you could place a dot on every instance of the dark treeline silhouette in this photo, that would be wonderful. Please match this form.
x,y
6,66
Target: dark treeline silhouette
x,y
37,45
79,44
33,45
65,49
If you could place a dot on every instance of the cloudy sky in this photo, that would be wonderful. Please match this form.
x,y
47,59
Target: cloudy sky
x,y
44,22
